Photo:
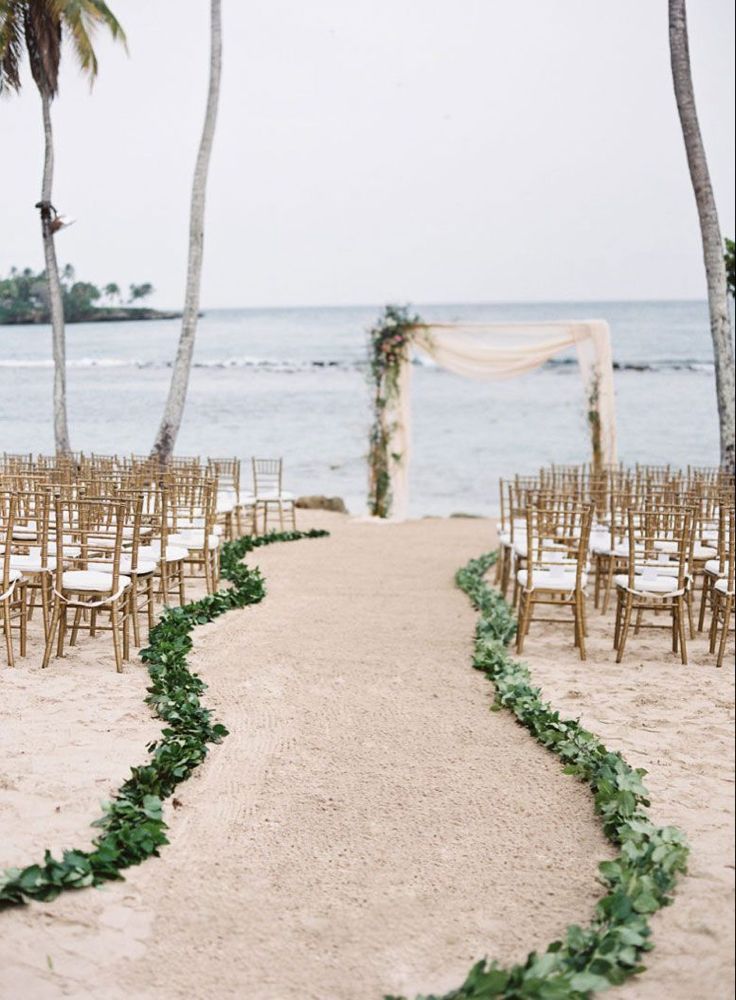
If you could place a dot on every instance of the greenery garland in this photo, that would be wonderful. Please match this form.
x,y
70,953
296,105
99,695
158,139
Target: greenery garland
x,y
389,345
132,827
639,881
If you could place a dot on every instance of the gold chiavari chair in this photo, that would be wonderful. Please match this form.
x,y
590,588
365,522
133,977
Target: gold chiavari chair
x,y
13,607
96,528
30,555
556,572
160,548
718,568
193,525
723,598
657,579
269,493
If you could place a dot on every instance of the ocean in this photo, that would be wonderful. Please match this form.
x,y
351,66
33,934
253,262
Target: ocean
x,y
291,382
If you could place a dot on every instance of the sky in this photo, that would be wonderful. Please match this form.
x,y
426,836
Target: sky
x,y
384,150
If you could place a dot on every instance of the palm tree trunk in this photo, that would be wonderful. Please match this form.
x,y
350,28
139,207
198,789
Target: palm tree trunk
x,y
169,429
56,305
715,268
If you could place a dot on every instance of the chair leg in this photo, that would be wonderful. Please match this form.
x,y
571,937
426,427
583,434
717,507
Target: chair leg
x,y
62,630
715,618
23,618
675,629
125,614
150,596
115,627
609,585
132,597
75,627
728,606
690,617
523,620
8,633
55,623
683,637
625,627
617,622
579,612
704,601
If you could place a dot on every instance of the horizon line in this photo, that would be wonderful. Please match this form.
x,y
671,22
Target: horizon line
x,y
449,303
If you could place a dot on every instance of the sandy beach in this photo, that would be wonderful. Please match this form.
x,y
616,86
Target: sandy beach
x,y
368,826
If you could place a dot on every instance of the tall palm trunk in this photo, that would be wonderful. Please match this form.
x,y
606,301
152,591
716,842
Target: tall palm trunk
x,y
715,269
56,305
171,422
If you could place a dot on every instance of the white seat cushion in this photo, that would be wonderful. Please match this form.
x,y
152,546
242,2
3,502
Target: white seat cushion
x,y
713,567
87,579
32,563
153,551
600,542
274,495
555,579
722,587
194,540
144,566
660,585
13,575
701,551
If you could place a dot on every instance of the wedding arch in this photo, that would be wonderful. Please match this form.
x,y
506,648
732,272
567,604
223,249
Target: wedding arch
x,y
485,351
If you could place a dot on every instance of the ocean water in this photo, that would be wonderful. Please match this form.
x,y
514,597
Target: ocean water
x,y
292,382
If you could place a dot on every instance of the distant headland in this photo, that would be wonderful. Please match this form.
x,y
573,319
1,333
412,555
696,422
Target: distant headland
x,y
24,299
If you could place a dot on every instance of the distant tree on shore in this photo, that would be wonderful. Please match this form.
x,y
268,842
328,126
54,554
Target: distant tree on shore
x,y
139,292
730,261
168,431
715,266
24,296
112,292
38,27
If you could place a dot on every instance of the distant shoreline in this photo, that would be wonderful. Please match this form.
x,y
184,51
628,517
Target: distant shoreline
x,y
111,315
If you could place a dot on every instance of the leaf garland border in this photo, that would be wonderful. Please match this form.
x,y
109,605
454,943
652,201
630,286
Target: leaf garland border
x,y
132,826
639,881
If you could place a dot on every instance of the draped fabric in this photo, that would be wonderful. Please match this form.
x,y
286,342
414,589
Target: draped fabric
x,y
500,351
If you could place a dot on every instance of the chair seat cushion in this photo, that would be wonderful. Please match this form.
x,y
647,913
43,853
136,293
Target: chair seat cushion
x,y
713,567
660,584
194,540
722,587
32,563
91,580
554,579
600,542
143,567
153,551
701,551
274,495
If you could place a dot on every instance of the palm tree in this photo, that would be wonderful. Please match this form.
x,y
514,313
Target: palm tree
x,y
715,267
171,421
38,27
112,292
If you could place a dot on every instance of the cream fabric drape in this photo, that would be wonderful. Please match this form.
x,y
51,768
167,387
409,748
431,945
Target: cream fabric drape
x,y
499,351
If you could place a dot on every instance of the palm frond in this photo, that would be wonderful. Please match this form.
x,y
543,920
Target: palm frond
x,y
11,44
42,27
81,19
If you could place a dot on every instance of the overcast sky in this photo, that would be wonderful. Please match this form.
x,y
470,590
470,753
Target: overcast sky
x,y
379,150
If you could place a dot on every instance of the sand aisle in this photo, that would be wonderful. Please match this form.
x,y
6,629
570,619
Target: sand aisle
x,y
368,826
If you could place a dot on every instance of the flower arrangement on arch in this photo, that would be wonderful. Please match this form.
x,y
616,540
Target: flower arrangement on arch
x,y
389,346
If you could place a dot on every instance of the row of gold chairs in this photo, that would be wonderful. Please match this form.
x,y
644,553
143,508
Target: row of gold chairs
x,y
654,536
92,543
